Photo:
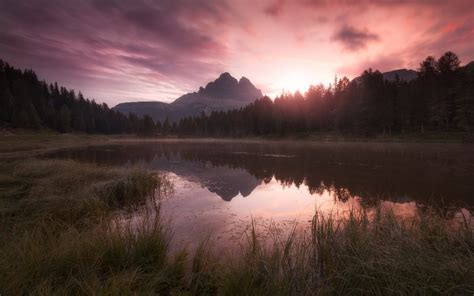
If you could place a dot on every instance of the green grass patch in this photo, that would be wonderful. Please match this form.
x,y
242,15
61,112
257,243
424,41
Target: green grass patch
x,y
68,192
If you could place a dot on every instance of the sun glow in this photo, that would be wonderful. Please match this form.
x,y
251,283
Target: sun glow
x,y
294,75
295,81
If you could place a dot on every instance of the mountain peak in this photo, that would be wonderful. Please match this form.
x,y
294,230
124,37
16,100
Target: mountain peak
x,y
223,84
227,87
244,80
401,74
225,75
224,80
224,93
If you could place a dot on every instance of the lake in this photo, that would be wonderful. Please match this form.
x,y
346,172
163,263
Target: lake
x,y
216,187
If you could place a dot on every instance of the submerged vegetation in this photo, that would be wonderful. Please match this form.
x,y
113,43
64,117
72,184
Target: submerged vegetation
x,y
59,236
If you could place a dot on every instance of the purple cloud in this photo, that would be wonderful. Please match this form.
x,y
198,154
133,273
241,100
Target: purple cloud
x,y
128,50
94,43
354,39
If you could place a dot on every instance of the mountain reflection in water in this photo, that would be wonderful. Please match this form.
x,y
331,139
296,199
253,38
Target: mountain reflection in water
x,y
219,186
397,172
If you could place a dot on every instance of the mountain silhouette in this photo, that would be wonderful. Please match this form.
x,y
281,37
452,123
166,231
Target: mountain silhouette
x,y
402,74
224,93
409,75
469,68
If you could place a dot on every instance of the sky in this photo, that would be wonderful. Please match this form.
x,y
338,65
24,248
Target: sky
x,y
142,50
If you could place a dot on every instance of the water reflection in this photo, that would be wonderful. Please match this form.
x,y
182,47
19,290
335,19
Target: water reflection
x,y
395,172
219,186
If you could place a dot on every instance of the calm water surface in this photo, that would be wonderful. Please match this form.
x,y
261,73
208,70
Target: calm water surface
x,y
218,186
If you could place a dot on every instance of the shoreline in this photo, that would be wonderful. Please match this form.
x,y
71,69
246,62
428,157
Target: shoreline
x,y
27,143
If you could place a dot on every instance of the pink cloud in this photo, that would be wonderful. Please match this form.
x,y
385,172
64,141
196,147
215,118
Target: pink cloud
x,y
145,50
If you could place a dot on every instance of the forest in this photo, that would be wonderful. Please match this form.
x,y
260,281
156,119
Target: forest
x,y
441,98
26,102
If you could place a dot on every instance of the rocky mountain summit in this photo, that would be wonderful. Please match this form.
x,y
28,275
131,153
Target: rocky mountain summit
x,y
224,93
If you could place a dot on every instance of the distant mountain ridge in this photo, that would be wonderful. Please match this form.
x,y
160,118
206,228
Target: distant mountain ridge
x,y
409,75
224,93
402,74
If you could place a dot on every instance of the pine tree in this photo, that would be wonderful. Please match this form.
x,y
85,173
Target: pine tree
x,y
63,123
166,129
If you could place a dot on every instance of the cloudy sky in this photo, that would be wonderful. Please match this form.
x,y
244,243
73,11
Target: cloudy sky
x,y
137,50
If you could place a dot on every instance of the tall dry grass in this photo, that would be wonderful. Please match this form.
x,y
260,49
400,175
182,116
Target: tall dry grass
x,y
380,255
59,237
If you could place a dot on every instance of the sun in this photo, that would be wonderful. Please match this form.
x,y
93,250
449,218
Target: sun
x,y
294,81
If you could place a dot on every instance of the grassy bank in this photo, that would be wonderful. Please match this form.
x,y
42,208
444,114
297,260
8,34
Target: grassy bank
x,y
59,237
23,142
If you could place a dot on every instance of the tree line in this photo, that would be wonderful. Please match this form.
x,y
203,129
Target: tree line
x,y
441,98
27,102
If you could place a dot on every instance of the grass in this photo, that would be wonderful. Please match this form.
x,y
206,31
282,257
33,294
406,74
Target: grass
x,y
21,141
66,191
358,255
101,261
60,237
